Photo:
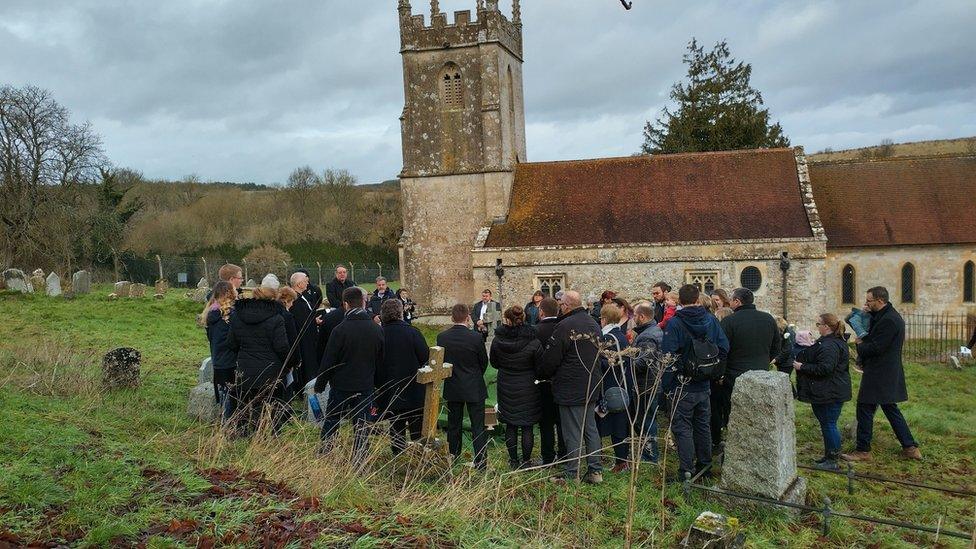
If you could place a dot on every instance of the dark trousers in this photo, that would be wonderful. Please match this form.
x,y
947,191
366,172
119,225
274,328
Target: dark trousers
x,y
479,439
400,424
646,423
865,425
690,419
512,439
720,403
827,415
616,425
550,429
221,379
580,430
258,396
354,406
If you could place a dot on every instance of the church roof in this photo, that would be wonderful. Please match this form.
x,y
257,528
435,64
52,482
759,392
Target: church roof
x,y
898,201
752,194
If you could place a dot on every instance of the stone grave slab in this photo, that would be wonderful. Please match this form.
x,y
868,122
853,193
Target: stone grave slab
x,y
53,284
122,288
16,281
137,290
201,403
120,368
81,282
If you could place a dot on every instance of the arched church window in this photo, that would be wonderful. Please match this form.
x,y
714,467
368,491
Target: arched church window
x,y
848,284
550,284
451,87
751,278
969,282
908,283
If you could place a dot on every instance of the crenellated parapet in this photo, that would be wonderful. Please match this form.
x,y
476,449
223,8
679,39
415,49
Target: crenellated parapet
x,y
489,25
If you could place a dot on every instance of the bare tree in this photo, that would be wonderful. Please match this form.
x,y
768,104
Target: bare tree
x,y
302,184
43,157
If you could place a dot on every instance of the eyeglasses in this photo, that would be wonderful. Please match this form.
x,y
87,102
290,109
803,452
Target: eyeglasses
x,y
819,324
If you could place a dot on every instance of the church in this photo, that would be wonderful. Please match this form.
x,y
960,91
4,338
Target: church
x,y
805,237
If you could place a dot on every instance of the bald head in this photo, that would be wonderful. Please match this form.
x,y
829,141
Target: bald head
x,y
572,299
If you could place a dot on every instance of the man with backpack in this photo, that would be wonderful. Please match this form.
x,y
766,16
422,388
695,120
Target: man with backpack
x,y
699,346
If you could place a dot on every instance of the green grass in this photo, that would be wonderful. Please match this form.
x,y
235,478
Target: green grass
x,y
93,468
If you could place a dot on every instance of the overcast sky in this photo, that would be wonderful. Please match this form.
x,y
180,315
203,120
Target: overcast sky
x,y
247,90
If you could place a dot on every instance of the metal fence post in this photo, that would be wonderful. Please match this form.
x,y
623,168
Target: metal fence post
x,y
319,263
850,478
826,516
686,485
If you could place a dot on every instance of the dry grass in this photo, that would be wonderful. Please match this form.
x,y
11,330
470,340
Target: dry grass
x,y
50,367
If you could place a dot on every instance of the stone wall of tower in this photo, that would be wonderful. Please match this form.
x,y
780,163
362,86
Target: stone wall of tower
x,y
458,161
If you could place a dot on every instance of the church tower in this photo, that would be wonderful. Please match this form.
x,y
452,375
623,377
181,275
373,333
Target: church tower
x,y
463,132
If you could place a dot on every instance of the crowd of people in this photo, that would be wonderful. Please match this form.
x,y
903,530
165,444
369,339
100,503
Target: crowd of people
x,y
576,373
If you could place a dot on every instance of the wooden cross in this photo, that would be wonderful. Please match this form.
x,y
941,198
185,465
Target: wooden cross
x,y
435,372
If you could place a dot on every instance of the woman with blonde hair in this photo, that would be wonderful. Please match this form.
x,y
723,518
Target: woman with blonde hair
x,y
216,319
720,298
286,298
824,381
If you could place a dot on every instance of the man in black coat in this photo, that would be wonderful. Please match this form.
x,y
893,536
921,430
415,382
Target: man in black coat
x,y
479,313
381,294
312,292
573,366
354,352
335,287
401,398
465,350
304,311
550,431
883,381
330,321
754,341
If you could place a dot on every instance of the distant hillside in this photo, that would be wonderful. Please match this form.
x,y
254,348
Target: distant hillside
x,y
963,145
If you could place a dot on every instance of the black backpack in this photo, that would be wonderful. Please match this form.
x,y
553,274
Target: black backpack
x,y
700,357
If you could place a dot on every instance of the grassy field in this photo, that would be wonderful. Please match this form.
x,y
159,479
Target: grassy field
x,y
88,468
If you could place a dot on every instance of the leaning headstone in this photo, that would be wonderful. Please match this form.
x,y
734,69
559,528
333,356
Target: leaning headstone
x,y
161,287
202,404
137,290
270,281
120,368
322,399
16,281
53,284
81,282
203,284
205,373
37,282
122,288
200,294
761,458
250,283
713,530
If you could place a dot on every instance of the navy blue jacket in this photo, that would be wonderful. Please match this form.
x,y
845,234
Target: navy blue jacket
x,y
217,329
677,337
352,355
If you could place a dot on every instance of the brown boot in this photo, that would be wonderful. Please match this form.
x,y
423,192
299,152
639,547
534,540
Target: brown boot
x,y
912,453
857,455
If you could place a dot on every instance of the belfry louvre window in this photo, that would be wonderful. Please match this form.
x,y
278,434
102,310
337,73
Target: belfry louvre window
x,y
908,283
969,282
751,278
848,284
550,284
451,84
706,281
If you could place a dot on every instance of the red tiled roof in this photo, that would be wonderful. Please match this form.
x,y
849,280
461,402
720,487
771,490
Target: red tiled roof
x,y
661,198
897,201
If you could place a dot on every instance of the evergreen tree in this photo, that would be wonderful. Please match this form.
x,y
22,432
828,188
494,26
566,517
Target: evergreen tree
x,y
717,109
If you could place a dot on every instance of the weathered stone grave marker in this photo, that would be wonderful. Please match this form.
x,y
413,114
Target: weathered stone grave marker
x,y
81,282
201,403
37,282
203,288
137,290
120,368
432,376
53,284
492,316
122,288
761,458
16,281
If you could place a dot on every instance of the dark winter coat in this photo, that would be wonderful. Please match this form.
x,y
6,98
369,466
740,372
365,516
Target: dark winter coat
x,y
513,354
465,351
354,351
572,365
304,313
531,313
217,329
330,321
404,352
784,360
623,375
647,338
883,381
292,334
334,289
544,329
754,340
687,323
257,334
376,301
824,377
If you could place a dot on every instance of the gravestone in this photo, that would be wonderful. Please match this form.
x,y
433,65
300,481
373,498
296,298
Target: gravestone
x,y
714,531
492,316
81,282
202,404
122,288
203,284
16,281
161,286
53,284
37,282
203,288
760,457
270,281
205,373
137,290
120,368
250,283
322,399
432,376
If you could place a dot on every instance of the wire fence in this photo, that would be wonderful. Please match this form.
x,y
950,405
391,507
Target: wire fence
x,y
187,271
936,337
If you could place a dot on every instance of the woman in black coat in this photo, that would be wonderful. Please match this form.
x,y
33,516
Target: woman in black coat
x,y
286,298
399,396
217,322
258,336
513,354
823,379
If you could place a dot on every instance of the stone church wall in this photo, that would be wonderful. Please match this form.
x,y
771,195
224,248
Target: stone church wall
x,y
938,276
